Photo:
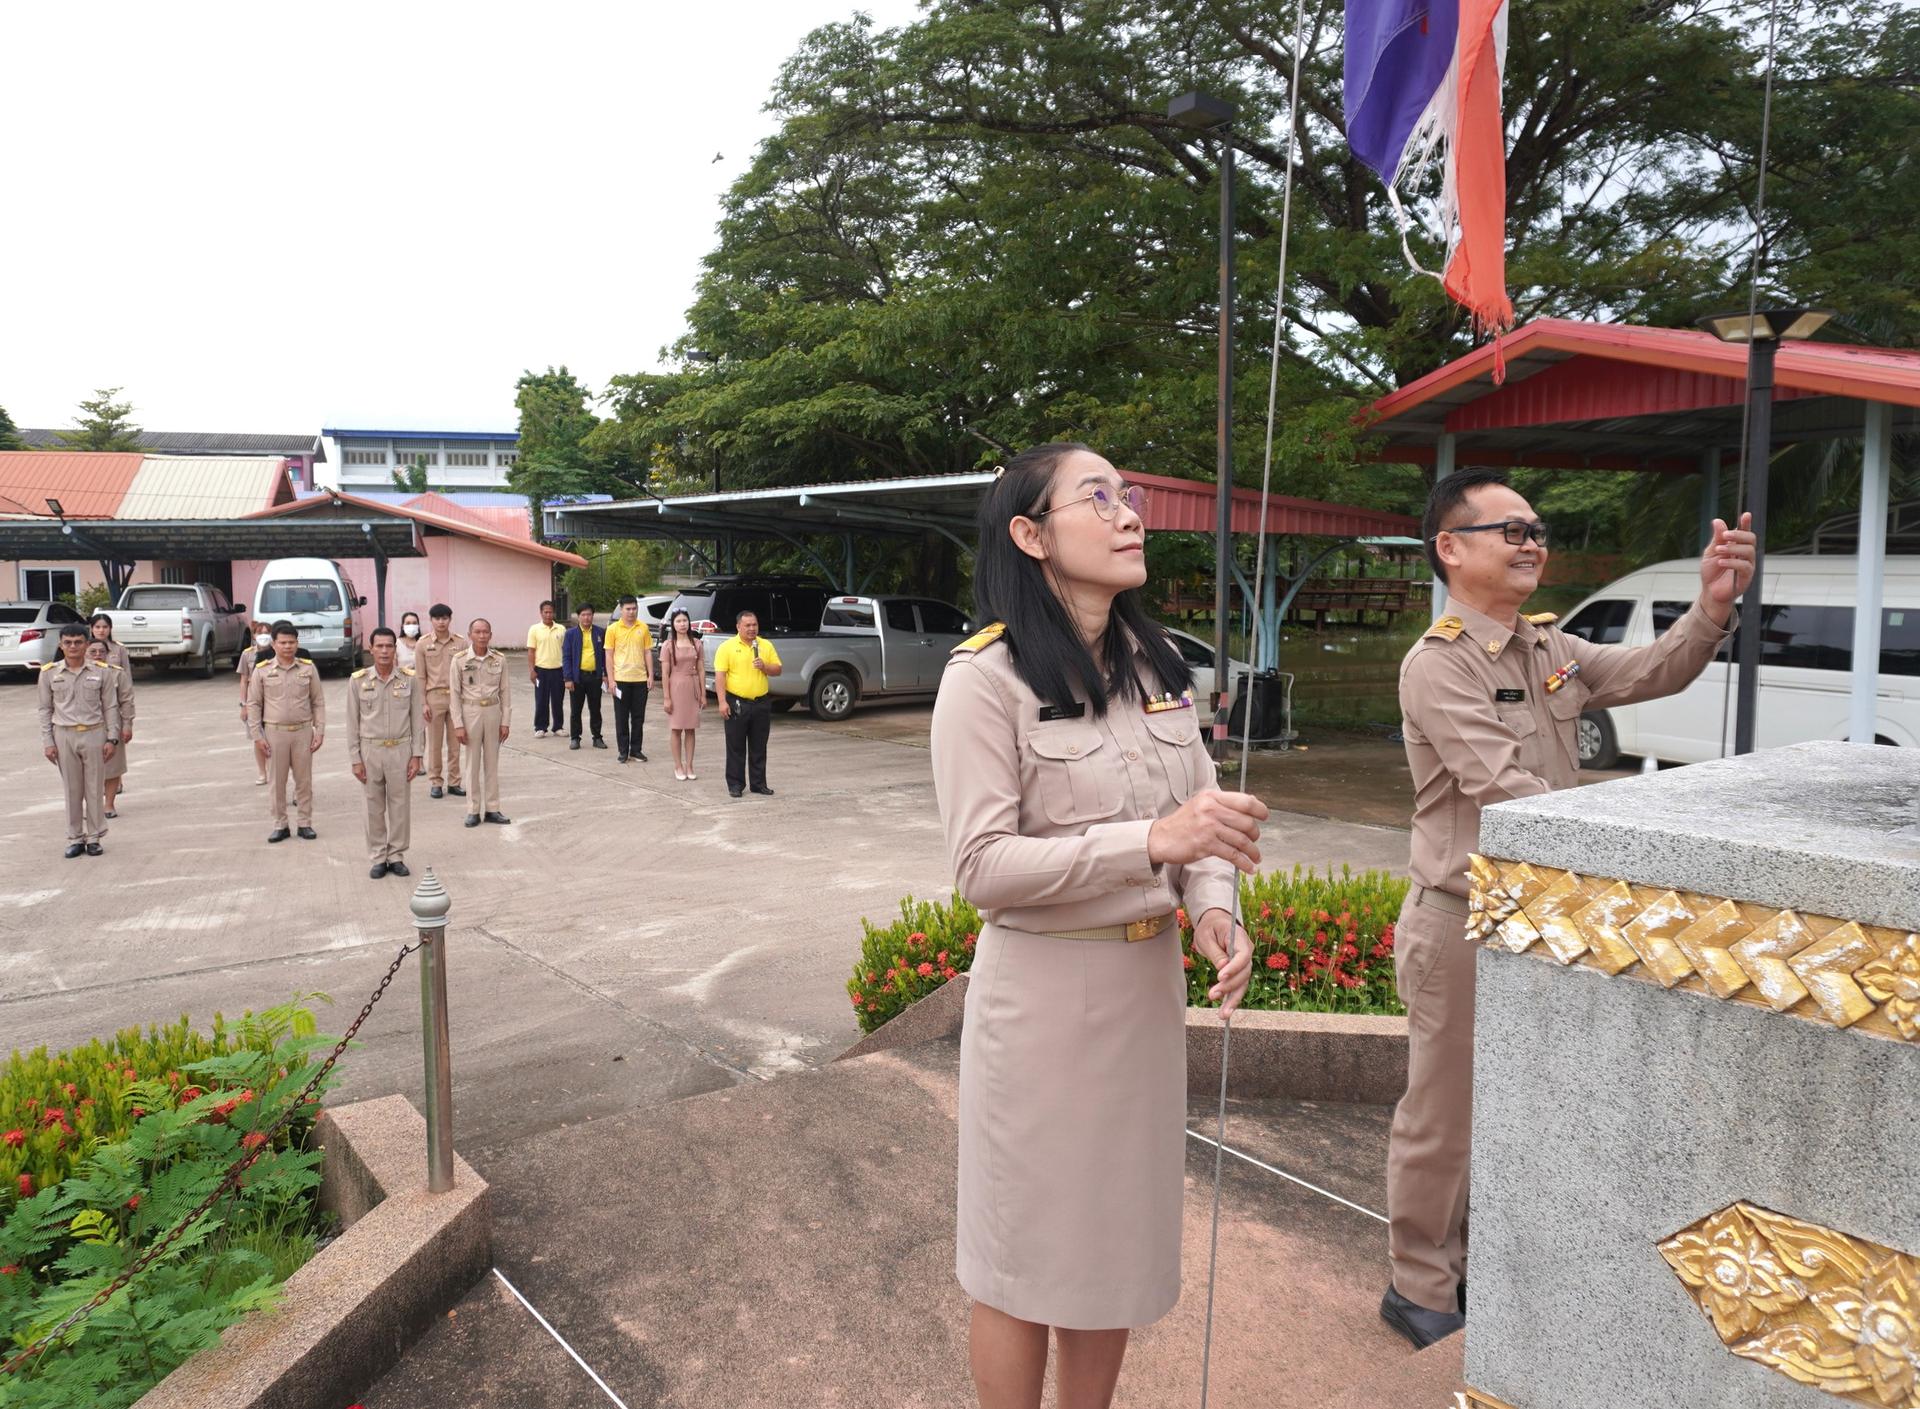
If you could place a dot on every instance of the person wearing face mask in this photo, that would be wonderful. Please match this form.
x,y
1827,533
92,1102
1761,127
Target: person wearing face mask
x,y
408,640
1081,814
258,653
1491,701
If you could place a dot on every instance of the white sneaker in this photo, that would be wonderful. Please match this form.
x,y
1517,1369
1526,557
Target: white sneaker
x,y
539,733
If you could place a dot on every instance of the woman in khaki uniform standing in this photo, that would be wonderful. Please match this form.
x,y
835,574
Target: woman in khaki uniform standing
x,y
1081,811
101,649
250,656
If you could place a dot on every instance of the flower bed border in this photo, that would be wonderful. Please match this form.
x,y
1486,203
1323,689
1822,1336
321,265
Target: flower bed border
x,y
1277,1055
403,1257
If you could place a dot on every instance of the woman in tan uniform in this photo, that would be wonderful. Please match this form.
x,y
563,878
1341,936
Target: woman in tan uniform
x,y
250,656
101,648
1081,811
681,672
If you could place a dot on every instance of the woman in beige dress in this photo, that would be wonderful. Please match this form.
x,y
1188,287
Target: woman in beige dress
x,y
686,695
1081,812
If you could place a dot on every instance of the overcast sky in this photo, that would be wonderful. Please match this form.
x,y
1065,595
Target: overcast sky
x,y
263,217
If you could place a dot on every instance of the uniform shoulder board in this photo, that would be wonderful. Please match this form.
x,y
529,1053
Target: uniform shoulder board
x,y
1543,618
496,655
1445,629
304,660
108,664
358,673
406,670
982,638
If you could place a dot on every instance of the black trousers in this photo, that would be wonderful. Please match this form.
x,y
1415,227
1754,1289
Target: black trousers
x,y
747,728
549,689
629,716
586,695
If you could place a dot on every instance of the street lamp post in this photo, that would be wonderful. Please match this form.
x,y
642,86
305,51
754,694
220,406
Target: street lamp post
x,y
1762,332
1204,113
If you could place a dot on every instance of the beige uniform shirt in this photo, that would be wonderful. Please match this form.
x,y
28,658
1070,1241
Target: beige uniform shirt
x,y
433,660
478,681
381,710
1481,725
1047,818
86,697
285,694
123,692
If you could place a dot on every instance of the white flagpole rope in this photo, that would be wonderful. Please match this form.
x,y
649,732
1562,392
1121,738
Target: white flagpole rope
x,y
1246,718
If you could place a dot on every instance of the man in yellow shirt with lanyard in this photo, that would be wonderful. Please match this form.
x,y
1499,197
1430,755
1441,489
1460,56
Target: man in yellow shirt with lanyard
x,y
544,640
630,669
740,670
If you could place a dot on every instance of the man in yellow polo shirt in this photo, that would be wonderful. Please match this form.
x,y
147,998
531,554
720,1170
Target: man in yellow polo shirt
x,y
544,639
630,668
740,670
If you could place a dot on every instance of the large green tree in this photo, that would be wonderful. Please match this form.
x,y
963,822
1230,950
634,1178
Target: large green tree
x,y
553,461
981,230
103,424
9,435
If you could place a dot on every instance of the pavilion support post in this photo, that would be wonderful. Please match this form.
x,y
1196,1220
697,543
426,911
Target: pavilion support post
x,y
379,587
1443,454
1875,473
1709,493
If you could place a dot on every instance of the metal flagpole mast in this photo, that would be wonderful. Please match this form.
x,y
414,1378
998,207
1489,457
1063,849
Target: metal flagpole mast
x,y
1246,720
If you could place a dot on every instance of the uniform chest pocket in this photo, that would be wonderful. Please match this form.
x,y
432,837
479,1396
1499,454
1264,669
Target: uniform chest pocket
x,y
1569,700
1176,734
1520,719
1076,780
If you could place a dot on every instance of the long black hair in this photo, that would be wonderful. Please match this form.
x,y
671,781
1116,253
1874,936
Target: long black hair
x,y
1011,587
670,646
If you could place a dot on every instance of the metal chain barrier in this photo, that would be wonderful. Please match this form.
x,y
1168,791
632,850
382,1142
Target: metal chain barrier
x,y
230,1182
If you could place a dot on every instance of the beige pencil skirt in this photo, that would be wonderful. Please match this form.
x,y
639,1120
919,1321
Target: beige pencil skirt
x,y
1073,1094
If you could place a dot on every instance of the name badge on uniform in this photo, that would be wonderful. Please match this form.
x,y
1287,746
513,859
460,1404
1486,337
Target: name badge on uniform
x,y
1049,713
1509,696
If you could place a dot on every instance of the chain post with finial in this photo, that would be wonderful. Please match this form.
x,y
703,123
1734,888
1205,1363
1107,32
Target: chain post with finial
x,y
430,906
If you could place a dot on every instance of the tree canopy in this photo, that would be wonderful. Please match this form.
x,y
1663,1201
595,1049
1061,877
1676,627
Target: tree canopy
x,y
103,424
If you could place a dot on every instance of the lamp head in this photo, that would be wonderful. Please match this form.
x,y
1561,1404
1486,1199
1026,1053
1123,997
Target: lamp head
x,y
1790,324
1200,111
58,512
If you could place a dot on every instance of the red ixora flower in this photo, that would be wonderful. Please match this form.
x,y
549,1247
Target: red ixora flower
x,y
950,973
53,1116
134,1202
941,957
1186,961
71,1090
1266,911
925,971
9,1269
26,1186
916,939
191,1093
1288,912
1181,916
1276,961
968,941
15,1138
253,1139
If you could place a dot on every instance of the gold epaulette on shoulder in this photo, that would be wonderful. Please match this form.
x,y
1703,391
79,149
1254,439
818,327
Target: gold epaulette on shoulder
x,y
1447,628
304,660
982,638
1544,618
358,673
108,664
406,670
496,654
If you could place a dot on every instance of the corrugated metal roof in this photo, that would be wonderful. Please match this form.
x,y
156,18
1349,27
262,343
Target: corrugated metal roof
x,y
199,442
330,432
205,487
510,522
339,501
88,483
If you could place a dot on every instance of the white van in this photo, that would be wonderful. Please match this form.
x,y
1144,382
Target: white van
x,y
1806,660
319,599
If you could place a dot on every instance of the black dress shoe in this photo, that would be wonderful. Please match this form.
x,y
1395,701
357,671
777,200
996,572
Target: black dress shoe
x,y
278,834
599,743
398,868
1419,1325
763,791
78,849
473,819
306,833
436,791
499,819
574,744
639,755
736,792
377,870
95,849
621,759
455,790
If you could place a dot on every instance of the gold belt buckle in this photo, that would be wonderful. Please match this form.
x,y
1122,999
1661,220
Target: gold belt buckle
x,y
1138,930
82,728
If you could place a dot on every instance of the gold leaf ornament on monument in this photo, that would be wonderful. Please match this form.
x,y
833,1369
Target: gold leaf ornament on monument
x,y
1836,1312
1837,972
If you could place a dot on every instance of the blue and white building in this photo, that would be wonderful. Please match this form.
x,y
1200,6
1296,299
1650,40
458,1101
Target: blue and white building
x,y
362,460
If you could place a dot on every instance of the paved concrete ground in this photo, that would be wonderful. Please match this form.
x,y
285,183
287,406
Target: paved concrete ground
x,y
628,942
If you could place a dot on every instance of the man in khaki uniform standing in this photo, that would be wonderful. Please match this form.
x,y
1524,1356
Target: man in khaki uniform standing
x,y
287,716
79,733
482,709
386,735
1491,703
433,660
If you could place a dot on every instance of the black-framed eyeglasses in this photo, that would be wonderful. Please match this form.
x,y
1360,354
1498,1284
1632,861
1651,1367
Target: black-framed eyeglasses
x,y
1515,531
1106,501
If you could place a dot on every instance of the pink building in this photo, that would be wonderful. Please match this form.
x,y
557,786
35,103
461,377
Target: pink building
x,y
480,562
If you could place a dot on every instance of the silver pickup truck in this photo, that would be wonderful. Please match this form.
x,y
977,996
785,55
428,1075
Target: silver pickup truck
x,y
162,624
864,648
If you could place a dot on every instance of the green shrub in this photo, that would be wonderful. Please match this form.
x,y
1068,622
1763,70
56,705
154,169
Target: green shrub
x,y
1321,944
63,1242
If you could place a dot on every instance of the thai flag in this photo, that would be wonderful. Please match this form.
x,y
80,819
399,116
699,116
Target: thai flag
x,y
1423,84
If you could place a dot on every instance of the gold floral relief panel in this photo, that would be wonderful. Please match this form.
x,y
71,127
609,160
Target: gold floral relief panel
x,y
1838,972
1829,1310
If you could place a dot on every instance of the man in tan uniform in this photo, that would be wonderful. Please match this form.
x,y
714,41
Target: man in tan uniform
x,y
1491,702
287,716
386,735
79,732
433,660
482,709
